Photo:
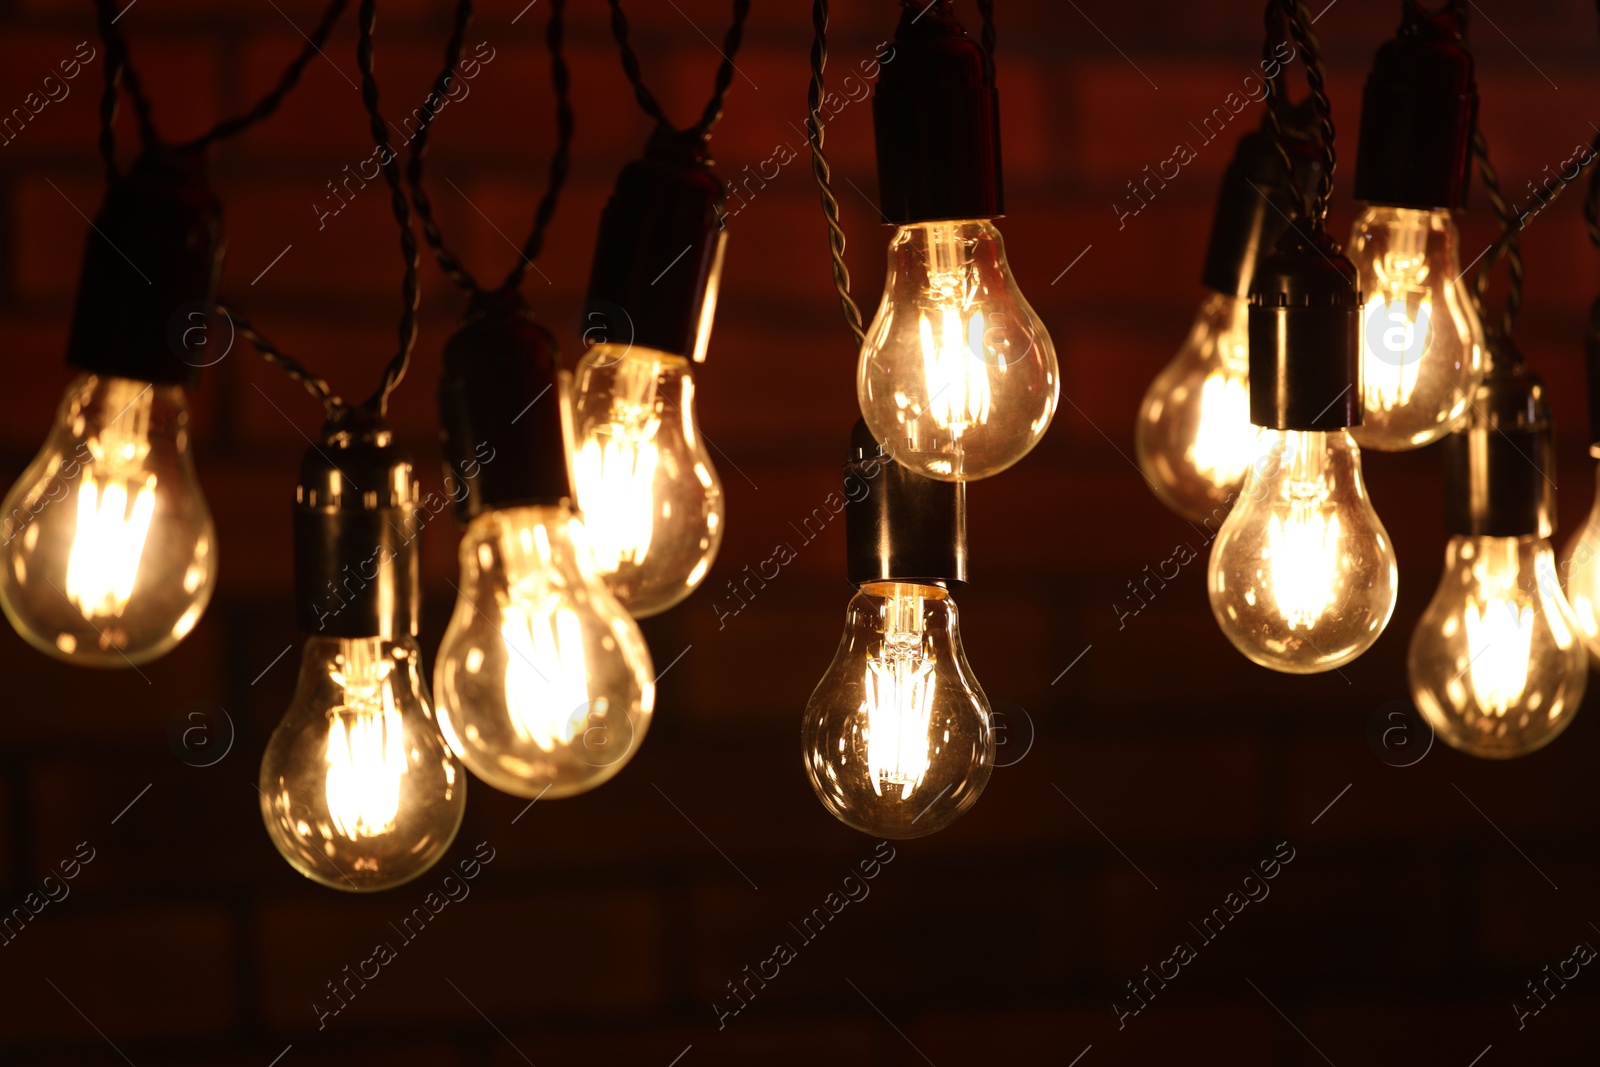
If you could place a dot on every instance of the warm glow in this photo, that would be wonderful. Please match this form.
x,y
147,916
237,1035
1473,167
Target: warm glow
x,y
366,747
899,686
954,372
108,544
616,464
1396,330
1303,540
1224,439
1499,624
547,681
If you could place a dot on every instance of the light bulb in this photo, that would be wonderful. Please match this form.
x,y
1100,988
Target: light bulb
x,y
897,734
1302,575
1580,571
652,502
543,684
109,552
1497,663
1421,342
358,791
957,378
1194,438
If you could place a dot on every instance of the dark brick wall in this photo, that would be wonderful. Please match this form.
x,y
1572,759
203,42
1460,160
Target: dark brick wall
x,y
1415,908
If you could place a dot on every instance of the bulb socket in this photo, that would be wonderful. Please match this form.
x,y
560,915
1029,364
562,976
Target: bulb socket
x,y
151,263
658,259
356,527
1418,111
1591,350
898,525
500,410
1500,467
936,122
1256,201
1305,360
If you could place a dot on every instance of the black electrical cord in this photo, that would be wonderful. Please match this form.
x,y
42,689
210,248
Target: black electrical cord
x,y
647,101
449,262
821,172
1297,16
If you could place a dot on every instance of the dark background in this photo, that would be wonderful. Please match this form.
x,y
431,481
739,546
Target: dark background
x,y
1402,932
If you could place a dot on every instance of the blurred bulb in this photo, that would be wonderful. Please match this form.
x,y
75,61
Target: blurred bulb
x,y
957,379
1421,342
1581,570
897,734
1497,666
357,788
652,502
109,552
1302,575
1194,437
543,683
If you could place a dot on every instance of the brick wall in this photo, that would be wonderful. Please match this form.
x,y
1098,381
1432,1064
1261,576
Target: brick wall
x,y
605,928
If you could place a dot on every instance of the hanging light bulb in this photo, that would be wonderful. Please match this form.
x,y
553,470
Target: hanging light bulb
x,y
651,499
957,377
1302,574
543,683
1194,439
897,736
1580,566
108,555
1497,662
358,791
1421,341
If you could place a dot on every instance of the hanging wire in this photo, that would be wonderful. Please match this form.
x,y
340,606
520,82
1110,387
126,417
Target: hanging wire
x,y
647,101
449,262
333,406
1297,16
821,172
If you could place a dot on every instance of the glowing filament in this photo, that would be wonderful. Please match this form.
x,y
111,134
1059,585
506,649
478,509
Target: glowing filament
x,y
1224,437
898,705
108,543
954,372
547,681
1499,626
1303,551
616,469
366,753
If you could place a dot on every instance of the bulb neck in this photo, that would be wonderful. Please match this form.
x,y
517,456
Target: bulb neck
x,y
936,123
356,570
151,264
900,526
1305,311
658,258
1256,201
1418,111
501,408
1500,467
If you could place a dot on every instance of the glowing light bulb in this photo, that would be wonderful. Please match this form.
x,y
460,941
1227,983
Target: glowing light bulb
x,y
957,378
358,791
109,555
1497,663
1421,342
1302,575
1194,438
544,683
1580,571
652,501
897,734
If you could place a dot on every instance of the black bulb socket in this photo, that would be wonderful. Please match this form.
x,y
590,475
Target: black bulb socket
x,y
1500,467
357,523
658,259
936,122
500,410
1305,310
900,526
1418,111
151,263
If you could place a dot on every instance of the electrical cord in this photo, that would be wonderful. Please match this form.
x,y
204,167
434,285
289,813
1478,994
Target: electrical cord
x,y
724,78
1297,17
823,174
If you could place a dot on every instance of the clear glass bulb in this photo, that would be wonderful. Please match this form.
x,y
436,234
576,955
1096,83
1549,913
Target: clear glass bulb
x,y
958,378
543,683
357,788
1421,342
1194,437
1580,568
897,734
109,554
1497,663
1302,576
651,500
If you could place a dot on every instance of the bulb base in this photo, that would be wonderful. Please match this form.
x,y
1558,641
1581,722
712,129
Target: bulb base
x,y
658,259
1500,467
898,525
936,122
1305,365
151,264
1418,111
1256,201
356,570
500,408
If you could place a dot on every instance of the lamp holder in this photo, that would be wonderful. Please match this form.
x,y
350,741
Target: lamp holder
x,y
900,526
1500,467
1305,310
